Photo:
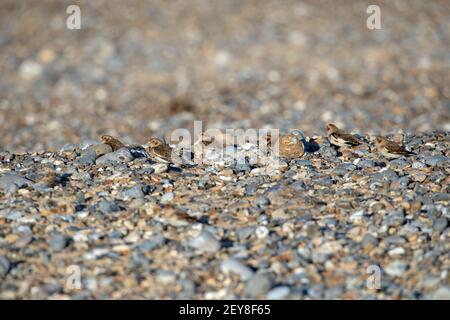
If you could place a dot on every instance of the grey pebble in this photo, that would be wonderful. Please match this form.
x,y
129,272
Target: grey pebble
x,y
167,197
121,155
437,161
135,192
88,158
328,152
262,201
278,293
58,242
99,149
205,242
394,219
396,268
440,224
244,233
399,164
105,206
366,163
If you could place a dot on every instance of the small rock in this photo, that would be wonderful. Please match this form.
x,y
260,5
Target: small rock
x,y
278,293
394,219
258,285
261,232
5,266
262,201
167,197
442,293
122,155
206,183
399,251
99,149
365,163
396,268
244,233
328,152
205,242
437,161
11,181
165,277
58,242
105,206
30,70
234,266
160,167
398,164
440,224
135,192
88,158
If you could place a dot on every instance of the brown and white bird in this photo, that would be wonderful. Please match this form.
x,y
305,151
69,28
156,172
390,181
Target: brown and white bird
x,y
340,138
114,143
290,146
390,149
162,152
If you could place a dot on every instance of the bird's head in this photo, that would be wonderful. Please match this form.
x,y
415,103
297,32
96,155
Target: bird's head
x,y
154,142
379,140
106,138
299,134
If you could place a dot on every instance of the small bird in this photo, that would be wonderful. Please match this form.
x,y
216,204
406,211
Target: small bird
x,y
162,152
114,143
340,138
290,146
390,149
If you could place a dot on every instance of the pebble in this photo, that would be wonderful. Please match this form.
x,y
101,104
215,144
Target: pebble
x,y
135,192
99,149
437,161
440,224
328,152
262,201
261,232
5,266
58,242
88,158
167,197
106,207
257,286
160,167
12,181
278,293
205,242
121,155
235,266
442,293
396,268
394,219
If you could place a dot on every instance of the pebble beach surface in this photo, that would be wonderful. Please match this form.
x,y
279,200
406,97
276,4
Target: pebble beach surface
x,y
313,227
79,220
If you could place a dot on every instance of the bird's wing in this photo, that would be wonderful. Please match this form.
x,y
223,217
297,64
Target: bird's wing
x,y
347,138
396,148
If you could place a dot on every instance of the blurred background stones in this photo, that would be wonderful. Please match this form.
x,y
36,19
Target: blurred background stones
x,y
139,68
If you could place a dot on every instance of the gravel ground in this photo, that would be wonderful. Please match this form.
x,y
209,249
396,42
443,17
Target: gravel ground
x,y
135,228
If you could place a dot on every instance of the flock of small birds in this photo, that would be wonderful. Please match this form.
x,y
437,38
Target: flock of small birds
x,y
292,145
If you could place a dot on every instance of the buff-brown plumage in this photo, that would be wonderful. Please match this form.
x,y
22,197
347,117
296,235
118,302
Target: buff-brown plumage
x,y
114,143
390,149
162,152
290,146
